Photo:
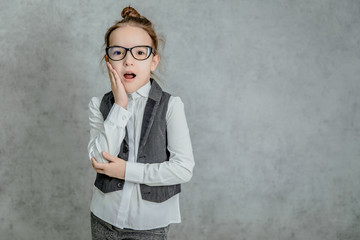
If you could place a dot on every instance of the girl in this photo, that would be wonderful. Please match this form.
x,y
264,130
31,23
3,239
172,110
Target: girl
x,y
139,140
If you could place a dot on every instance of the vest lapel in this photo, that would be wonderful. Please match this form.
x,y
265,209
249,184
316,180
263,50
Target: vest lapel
x,y
149,113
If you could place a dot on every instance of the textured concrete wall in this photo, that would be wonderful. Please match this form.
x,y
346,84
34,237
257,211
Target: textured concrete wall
x,y
271,91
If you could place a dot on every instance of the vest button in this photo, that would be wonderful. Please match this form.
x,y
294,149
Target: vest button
x,y
119,185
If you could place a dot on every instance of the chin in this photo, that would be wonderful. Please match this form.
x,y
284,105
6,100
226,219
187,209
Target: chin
x,y
130,88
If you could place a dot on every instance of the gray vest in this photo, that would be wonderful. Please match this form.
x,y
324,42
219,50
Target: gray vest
x,y
152,145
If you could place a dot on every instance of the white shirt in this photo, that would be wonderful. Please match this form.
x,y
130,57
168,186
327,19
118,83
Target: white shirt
x,y
126,208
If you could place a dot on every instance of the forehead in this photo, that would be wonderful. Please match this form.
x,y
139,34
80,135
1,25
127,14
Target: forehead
x,y
129,36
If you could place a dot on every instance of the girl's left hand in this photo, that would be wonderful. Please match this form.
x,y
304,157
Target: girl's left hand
x,y
115,168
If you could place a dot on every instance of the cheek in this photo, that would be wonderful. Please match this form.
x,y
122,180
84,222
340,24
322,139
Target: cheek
x,y
117,66
145,68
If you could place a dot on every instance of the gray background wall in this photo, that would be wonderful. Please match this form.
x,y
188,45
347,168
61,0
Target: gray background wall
x,y
271,92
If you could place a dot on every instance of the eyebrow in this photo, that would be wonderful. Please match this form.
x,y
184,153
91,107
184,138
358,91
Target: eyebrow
x,y
131,47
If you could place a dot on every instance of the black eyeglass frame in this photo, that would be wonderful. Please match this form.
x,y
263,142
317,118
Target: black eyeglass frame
x,y
130,50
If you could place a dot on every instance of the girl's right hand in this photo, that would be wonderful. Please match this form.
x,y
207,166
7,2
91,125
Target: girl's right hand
x,y
117,87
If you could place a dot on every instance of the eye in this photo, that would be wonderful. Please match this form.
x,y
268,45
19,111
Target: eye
x,y
116,53
139,52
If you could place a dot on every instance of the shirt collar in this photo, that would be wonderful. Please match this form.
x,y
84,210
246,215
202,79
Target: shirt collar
x,y
141,92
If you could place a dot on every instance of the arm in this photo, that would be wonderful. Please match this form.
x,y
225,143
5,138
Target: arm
x,y
179,168
106,135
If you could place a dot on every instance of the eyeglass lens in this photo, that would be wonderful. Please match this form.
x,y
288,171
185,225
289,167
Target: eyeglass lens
x,y
139,53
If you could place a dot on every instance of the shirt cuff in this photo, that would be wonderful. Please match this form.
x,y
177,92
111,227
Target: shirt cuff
x,y
118,115
134,172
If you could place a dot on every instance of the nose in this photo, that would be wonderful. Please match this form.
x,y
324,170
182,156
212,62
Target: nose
x,y
129,59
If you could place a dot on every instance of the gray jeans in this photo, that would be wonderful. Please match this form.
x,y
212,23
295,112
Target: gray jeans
x,y
101,230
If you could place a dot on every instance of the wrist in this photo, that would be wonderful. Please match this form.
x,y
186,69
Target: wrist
x,y
121,105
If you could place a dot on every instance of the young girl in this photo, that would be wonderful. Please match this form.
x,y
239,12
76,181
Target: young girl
x,y
139,140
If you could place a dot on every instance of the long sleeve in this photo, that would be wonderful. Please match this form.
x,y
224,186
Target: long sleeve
x,y
106,135
179,168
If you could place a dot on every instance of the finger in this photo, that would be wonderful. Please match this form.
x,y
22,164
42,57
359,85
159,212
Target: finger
x,y
111,75
99,170
97,164
95,168
116,76
115,73
109,71
109,157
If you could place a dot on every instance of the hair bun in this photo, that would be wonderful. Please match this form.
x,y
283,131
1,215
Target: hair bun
x,y
129,12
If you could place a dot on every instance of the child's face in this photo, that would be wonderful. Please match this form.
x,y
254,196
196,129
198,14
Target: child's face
x,y
129,36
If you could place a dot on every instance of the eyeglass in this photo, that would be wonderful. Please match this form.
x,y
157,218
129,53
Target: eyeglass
x,y
117,53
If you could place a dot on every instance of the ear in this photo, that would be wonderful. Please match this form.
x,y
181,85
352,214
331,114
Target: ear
x,y
106,58
154,62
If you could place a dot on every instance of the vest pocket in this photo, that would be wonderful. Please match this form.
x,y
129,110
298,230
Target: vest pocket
x,y
108,184
159,193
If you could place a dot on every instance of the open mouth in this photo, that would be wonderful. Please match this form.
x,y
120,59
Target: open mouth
x,y
129,75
